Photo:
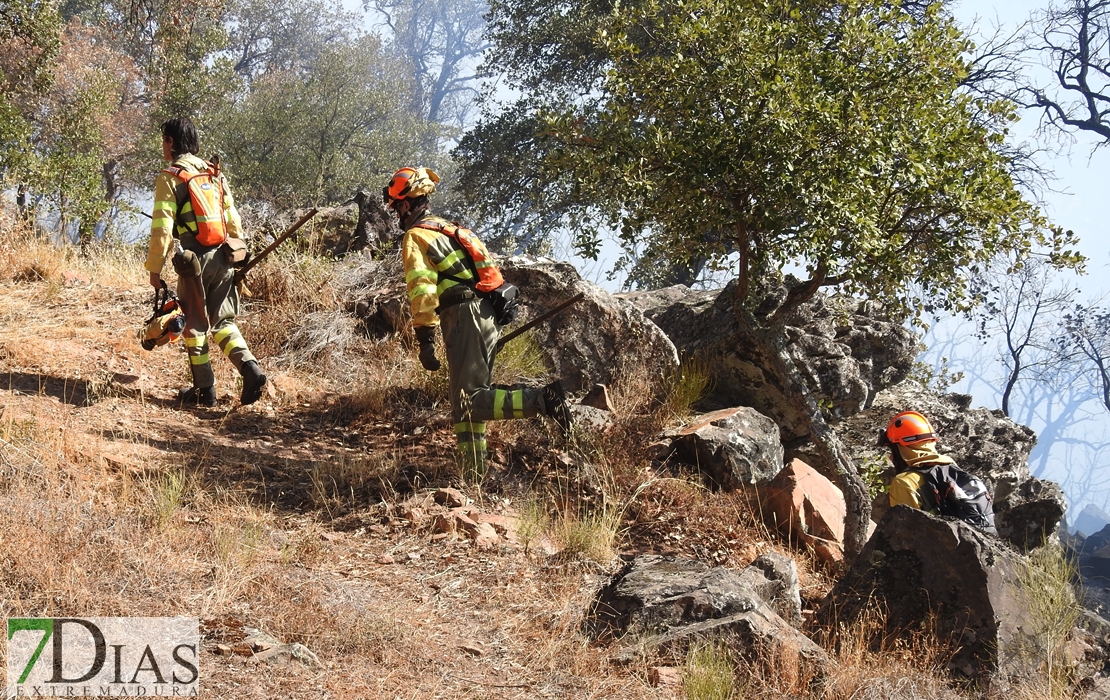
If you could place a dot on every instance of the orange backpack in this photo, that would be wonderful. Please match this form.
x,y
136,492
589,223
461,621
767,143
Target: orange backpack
x,y
202,211
489,276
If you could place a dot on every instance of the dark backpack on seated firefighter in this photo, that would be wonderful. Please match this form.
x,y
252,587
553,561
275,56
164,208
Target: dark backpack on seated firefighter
x,y
930,481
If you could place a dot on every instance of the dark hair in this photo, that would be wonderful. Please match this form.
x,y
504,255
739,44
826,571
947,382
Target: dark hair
x,y
184,135
900,464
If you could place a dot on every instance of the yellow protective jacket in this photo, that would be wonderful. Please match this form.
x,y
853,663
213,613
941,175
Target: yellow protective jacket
x,y
164,223
905,490
429,256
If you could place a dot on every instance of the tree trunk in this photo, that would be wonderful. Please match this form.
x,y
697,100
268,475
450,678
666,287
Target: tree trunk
x,y
768,343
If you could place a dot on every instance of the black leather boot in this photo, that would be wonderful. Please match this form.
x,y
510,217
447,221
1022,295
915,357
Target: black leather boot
x,y
198,396
253,381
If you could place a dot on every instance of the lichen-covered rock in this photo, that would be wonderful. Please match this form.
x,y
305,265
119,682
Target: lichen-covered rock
x,y
668,603
732,447
845,351
1030,513
598,340
927,571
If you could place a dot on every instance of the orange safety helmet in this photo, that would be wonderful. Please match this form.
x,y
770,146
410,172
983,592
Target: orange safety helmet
x,y
409,182
907,428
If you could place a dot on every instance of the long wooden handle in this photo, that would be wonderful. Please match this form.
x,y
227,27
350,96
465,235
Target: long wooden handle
x,y
540,319
242,272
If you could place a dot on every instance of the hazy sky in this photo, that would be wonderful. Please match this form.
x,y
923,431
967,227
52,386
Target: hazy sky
x,y
1083,203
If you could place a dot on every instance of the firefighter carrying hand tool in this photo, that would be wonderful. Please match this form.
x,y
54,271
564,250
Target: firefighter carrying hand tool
x,y
193,204
449,274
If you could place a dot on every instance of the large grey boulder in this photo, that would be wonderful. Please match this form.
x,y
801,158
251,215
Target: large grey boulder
x,y
845,350
667,603
599,340
732,448
982,441
926,571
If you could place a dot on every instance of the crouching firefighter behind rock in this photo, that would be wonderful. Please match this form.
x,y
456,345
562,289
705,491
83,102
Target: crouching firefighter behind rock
x,y
449,273
930,481
193,204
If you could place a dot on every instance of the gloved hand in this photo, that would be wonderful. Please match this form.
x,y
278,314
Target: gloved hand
x,y
426,336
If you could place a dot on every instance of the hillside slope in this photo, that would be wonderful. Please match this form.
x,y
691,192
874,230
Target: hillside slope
x,y
308,515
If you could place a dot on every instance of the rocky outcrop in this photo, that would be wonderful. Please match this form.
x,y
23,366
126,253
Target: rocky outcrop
x,y
374,292
923,570
846,351
983,442
807,508
1030,513
731,448
596,341
668,603
1090,520
362,222
1093,562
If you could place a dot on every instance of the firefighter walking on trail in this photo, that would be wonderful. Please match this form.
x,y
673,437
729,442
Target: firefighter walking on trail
x,y
193,204
454,285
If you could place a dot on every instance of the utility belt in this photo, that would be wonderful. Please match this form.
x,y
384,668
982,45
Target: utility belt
x,y
459,294
234,250
503,300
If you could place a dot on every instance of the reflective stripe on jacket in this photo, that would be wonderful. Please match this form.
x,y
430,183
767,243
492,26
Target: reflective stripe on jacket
x,y
165,215
430,256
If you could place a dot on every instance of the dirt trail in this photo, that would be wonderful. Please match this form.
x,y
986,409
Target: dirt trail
x,y
390,609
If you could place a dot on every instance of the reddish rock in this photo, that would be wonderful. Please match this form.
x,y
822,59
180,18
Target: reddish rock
x,y
452,498
445,523
505,526
464,522
486,537
808,508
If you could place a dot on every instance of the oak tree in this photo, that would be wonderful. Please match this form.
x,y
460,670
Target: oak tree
x,y
830,136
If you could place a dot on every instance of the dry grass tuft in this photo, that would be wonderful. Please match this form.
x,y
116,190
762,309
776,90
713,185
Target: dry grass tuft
x,y
709,673
355,480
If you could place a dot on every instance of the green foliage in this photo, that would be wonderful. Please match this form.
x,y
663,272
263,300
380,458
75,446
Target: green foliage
x,y
871,469
30,38
939,379
831,134
30,33
318,135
